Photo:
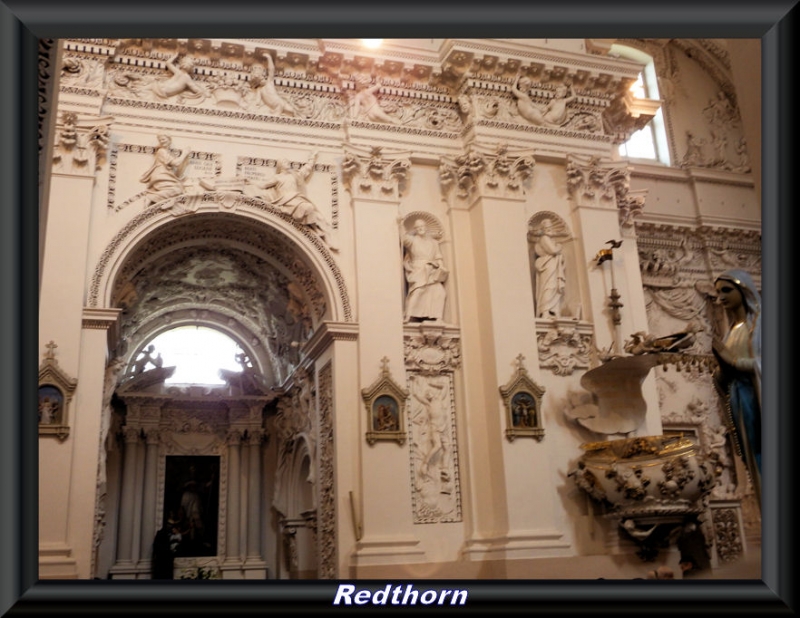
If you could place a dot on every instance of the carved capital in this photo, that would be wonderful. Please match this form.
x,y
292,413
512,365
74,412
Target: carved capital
x,y
486,171
152,436
630,205
233,438
255,437
131,435
375,173
81,144
592,181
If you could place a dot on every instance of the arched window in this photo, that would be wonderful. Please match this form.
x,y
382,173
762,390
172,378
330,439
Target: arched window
x,y
198,353
649,142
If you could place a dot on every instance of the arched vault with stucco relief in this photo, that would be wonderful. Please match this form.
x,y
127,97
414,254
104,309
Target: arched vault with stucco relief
x,y
257,280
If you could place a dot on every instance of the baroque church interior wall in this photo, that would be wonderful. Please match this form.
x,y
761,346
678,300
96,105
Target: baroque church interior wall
x,y
191,184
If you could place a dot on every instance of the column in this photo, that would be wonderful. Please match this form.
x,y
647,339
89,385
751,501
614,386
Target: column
x,y
254,496
149,498
128,498
232,553
486,188
375,180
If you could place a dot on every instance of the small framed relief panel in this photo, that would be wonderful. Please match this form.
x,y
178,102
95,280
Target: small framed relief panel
x,y
385,403
55,395
522,399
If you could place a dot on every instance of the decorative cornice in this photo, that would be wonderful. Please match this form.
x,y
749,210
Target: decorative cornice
x,y
627,114
326,334
99,318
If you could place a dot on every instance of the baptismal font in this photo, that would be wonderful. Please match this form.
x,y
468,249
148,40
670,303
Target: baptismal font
x,y
654,487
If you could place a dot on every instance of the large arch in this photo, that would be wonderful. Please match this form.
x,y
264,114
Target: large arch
x,y
239,266
277,226
231,263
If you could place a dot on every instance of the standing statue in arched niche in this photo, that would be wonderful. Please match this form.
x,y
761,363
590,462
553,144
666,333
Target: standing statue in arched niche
x,y
550,269
425,272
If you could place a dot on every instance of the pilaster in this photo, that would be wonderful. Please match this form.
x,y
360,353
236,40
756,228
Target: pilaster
x,y
80,145
232,545
149,516
339,440
376,179
486,189
254,523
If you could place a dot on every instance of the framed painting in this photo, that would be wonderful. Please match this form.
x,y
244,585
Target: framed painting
x,y
191,503
522,399
385,403
55,395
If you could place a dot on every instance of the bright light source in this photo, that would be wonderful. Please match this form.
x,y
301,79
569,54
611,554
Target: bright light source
x,y
198,353
372,43
637,88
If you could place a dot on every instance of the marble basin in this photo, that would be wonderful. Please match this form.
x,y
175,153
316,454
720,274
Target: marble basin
x,y
645,476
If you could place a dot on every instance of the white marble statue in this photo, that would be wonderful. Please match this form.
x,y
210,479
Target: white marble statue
x,y
163,178
286,190
180,81
365,100
432,434
553,114
425,274
550,272
265,85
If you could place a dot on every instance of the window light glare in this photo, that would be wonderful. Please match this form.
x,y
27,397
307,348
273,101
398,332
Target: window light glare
x,y
637,88
198,353
371,43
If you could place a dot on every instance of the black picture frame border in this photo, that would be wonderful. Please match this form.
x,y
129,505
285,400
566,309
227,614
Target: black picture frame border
x,y
23,21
